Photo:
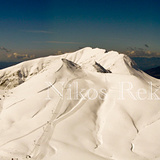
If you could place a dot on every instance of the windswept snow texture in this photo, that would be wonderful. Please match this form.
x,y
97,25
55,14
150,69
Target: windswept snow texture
x,y
68,107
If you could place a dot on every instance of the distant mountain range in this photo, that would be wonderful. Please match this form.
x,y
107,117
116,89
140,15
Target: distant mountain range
x,y
154,72
147,63
7,64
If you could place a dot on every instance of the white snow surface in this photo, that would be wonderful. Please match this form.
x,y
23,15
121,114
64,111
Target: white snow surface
x,y
62,108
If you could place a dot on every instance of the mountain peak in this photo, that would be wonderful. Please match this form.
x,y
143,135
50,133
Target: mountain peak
x,y
84,58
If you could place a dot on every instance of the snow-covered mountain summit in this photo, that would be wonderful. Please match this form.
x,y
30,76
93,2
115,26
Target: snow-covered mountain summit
x,y
89,104
86,58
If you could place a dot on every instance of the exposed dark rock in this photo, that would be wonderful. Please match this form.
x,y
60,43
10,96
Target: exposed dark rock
x,y
101,69
69,64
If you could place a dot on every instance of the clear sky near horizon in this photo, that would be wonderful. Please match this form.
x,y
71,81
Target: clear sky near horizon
x,y
38,28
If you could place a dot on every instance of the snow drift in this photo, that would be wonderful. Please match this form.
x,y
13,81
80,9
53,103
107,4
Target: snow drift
x,y
83,105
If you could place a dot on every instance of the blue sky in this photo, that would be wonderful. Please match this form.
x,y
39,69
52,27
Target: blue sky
x,y
38,28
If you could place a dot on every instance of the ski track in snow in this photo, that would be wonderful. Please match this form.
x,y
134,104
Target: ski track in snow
x,y
39,150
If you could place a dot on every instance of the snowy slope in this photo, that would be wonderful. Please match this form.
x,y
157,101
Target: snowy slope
x,y
68,107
